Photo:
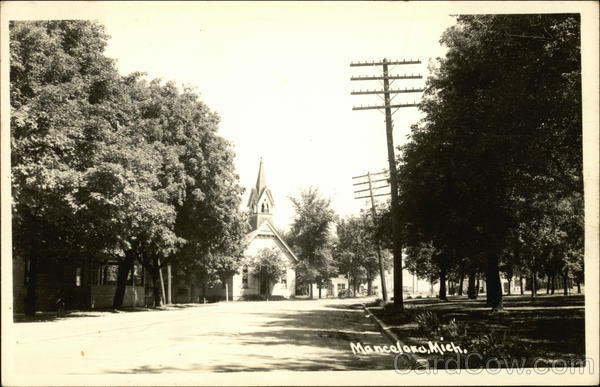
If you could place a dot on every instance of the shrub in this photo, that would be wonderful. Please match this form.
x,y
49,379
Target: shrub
x,y
493,345
428,321
499,345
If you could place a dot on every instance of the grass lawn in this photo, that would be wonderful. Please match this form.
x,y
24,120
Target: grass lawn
x,y
550,326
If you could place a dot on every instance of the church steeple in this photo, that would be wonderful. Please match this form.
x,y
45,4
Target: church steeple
x,y
261,201
260,180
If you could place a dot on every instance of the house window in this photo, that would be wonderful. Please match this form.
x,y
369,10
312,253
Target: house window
x,y
245,277
109,274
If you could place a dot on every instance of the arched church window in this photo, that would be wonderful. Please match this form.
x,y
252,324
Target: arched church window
x,y
262,208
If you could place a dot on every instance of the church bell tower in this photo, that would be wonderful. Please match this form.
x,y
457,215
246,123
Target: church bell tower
x,y
261,201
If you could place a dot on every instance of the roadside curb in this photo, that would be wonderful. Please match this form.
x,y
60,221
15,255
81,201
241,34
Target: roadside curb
x,y
386,330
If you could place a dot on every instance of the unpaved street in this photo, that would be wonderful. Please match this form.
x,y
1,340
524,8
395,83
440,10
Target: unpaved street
x,y
236,336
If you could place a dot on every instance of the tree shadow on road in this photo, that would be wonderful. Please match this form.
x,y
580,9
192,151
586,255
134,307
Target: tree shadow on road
x,y
313,340
50,316
98,312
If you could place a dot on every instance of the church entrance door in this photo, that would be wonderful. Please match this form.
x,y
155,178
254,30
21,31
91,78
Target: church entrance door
x,y
263,287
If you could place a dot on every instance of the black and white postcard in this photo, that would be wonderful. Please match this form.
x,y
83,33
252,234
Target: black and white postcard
x,y
299,193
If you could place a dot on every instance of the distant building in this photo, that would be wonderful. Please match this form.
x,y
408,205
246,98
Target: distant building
x,y
412,286
245,285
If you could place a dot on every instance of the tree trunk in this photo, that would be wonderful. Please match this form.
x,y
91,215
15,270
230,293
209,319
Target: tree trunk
x,y
547,284
553,283
509,280
533,285
461,282
442,295
169,298
204,291
125,267
156,289
488,300
521,285
477,285
310,290
320,286
192,291
31,296
369,286
578,287
493,284
566,282
268,290
471,289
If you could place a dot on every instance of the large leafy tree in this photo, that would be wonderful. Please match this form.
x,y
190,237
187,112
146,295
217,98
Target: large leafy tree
x,y
65,108
268,265
310,237
197,179
355,252
501,137
111,166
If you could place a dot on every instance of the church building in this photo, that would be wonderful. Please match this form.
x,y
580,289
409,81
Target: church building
x,y
244,285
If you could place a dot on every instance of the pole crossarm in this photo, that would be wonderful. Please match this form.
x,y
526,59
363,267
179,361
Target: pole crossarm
x,y
369,189
380,77
374,195
376,181
360,92
395,62
371,174
372,181
381,186
403,105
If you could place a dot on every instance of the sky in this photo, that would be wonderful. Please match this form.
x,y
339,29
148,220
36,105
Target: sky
x,y
278,75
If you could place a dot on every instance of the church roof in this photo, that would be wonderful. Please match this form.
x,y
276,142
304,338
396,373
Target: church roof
x,y
267,229
260,180
260,188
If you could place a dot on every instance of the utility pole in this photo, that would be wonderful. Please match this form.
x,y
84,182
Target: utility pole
x,y
374,212
387,107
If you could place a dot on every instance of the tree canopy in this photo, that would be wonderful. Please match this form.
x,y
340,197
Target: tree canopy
x,y
499,153
111,165
311,238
